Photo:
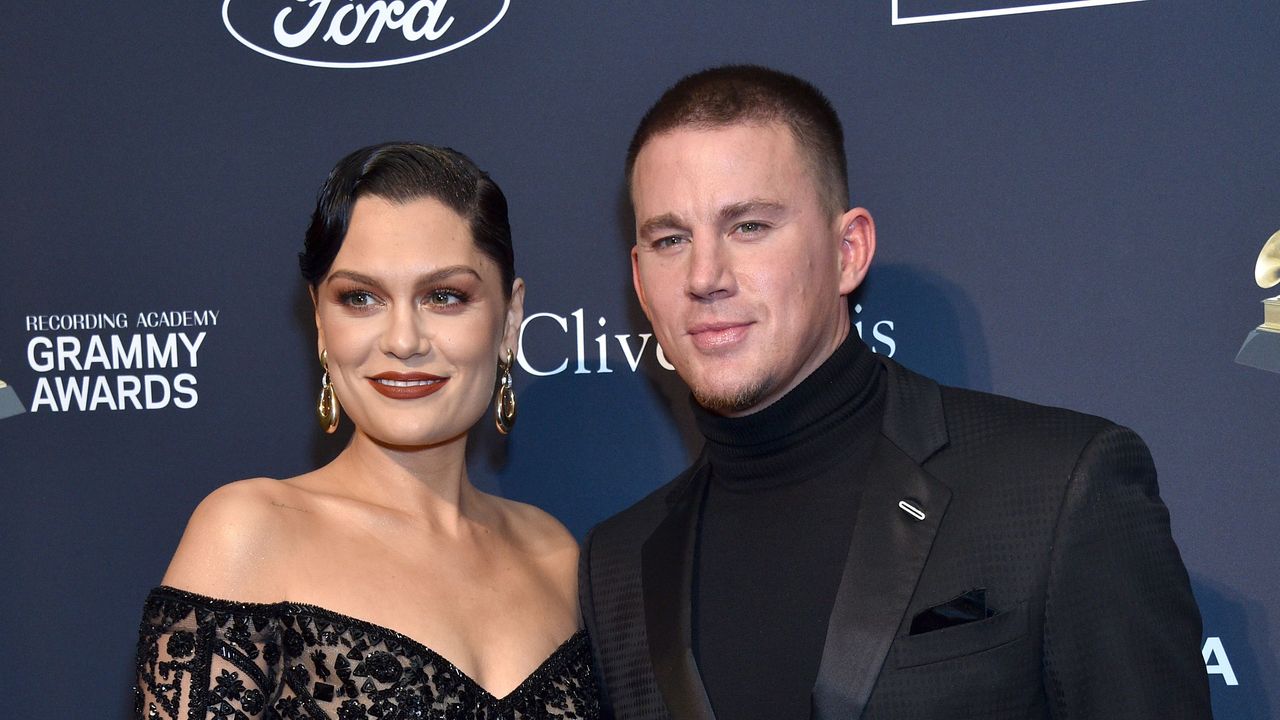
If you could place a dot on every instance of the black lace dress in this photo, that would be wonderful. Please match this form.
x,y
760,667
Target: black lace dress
x,y
200,657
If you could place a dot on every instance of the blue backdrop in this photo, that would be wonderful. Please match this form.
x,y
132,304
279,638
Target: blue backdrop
x,y
1069,204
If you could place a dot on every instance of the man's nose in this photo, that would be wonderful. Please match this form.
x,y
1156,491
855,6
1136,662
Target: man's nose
x,y
710,269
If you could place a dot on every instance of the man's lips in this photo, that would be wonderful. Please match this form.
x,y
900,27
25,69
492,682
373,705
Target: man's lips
x,y
718,335
406,386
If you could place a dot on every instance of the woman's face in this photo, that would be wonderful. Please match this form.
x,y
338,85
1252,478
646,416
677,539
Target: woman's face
x,y
414,320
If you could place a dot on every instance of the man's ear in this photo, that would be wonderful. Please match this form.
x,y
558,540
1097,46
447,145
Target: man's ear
x,y
857,247
515,316
635,279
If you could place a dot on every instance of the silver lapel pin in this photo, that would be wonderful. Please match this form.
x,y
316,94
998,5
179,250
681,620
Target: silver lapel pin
x,y
911,510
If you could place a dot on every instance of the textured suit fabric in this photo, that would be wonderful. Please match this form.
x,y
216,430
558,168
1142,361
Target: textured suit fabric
x,y
1055,514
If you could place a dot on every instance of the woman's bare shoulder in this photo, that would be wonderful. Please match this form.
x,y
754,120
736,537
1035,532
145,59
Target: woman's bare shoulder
x,y
546,543
536,528
549,547
232,544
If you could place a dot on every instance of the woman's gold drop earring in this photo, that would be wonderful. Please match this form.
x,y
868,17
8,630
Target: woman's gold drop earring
x,y
504,407
327,409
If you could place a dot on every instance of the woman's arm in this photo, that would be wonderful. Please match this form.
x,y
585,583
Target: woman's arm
x,y
197,654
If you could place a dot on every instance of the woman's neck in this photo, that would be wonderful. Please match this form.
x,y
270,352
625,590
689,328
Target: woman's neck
x,y
427,484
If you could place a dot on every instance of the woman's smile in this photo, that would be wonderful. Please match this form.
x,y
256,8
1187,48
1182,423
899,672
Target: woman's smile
x,y
407,386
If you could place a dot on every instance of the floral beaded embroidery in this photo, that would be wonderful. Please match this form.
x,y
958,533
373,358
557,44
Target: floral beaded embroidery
x,y
201,657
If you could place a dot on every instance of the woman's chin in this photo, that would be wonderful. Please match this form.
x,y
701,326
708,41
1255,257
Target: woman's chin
x,y
410,439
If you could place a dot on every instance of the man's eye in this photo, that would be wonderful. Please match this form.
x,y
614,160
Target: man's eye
x,y
750,228
668,241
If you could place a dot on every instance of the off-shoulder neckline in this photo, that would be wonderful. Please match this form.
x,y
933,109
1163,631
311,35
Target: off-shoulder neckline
x,y
550,664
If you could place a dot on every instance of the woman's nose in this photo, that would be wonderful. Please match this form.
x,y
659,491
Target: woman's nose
x,y
407,333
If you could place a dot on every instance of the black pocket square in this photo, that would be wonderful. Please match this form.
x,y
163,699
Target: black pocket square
x,y
966,607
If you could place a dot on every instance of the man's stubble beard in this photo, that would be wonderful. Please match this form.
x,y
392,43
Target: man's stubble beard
x,y
744,398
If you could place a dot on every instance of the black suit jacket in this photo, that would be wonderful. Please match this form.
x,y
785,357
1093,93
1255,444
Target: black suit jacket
x,y
1054,514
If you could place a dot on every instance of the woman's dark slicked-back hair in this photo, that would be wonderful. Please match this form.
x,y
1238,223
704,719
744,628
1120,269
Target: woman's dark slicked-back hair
x,y
402,172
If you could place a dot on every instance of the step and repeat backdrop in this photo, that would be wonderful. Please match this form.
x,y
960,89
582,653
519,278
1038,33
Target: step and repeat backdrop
x,y
1070,200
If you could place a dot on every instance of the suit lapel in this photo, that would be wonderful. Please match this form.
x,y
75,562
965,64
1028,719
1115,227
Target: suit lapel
x,y
666,566
888,549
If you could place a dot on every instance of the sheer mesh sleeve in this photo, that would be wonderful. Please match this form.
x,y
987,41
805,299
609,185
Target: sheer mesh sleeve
x,y
200,661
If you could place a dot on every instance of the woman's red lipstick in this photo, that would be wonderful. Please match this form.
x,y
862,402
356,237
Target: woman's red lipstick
x,y
406,386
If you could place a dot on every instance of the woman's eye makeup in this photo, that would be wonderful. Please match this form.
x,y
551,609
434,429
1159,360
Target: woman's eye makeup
x,y
357,298
447,297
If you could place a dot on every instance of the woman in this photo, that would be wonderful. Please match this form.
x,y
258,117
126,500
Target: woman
x,y
383,585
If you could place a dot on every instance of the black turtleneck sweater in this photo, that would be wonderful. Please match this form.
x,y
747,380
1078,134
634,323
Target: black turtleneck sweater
x,y
775,532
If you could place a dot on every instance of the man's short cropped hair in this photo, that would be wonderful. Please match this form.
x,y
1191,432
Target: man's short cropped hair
x,y
750,94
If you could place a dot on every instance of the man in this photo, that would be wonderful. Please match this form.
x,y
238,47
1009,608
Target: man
x,y
856,541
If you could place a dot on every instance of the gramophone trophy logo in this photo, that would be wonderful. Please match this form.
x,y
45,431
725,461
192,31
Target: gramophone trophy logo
x,y
10,405
1262,348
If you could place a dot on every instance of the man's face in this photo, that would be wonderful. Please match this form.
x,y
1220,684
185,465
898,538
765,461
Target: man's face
x,y
737,263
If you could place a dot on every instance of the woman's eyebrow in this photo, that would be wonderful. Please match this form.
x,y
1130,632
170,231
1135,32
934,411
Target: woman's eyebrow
x,y
426,279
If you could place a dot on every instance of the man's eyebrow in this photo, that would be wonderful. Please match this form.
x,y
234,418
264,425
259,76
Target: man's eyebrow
x,y
732,211
428,278
738,210
665,221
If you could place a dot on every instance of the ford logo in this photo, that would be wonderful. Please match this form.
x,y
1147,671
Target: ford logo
x,y
359,33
